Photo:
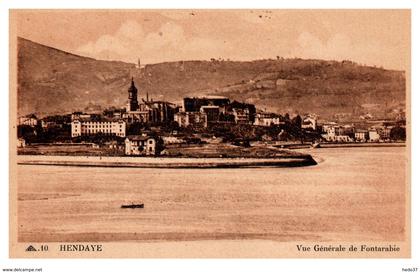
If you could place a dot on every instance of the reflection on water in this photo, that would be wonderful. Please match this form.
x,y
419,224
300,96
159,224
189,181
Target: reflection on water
x,y
352,194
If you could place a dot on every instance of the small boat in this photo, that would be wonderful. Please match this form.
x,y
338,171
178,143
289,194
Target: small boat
x,y
132,206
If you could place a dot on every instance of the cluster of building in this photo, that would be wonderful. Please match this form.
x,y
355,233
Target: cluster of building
x,y
334,132
206,110
147,111
195,112
365,131
202,111
46,122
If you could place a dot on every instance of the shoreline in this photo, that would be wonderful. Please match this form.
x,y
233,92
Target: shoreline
x,y
338,145
341,145
283,160
165,162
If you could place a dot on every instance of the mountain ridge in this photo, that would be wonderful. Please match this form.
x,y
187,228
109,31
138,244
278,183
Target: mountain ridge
x,y
72,82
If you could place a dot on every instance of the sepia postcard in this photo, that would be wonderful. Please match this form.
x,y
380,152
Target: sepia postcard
x,y
210,133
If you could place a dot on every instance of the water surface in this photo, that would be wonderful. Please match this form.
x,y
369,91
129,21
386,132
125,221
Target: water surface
x,y
352,194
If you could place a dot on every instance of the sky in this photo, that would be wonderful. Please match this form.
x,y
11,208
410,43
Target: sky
x,y
370,37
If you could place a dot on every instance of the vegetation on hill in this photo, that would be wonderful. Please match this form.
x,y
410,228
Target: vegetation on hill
x,y
54,81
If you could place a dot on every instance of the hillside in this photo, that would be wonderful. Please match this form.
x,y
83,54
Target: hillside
x,y
54,81
51,80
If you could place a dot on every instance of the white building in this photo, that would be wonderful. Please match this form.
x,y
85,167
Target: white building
x,y
172,140
90,127
373,135
194,118
328,127
337,138
332,129
309,122
21,142
266,119
385,132
361,135
28,120
140,145
241,115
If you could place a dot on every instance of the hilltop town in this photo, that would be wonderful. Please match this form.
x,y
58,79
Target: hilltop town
x,y
201,108
202,126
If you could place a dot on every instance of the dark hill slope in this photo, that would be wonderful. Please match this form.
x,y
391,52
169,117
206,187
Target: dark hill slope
x,y
51,80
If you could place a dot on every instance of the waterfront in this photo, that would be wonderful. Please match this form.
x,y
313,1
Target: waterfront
x,y
351,195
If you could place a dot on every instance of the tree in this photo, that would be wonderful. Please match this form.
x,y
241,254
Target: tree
x,y
297,121
398,133
136,128
297,127
25,131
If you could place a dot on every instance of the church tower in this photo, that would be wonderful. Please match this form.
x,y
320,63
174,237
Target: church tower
x,y
133,104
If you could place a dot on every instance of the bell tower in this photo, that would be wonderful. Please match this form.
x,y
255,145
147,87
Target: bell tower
x,y
133,104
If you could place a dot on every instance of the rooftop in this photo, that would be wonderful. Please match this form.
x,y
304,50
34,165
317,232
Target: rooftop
x,y
139,137
209,97
210,107
101,119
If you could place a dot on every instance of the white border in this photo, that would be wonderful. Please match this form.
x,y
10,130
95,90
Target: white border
x,y
206,265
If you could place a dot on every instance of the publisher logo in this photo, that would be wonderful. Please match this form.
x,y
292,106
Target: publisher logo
x,y
30,248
